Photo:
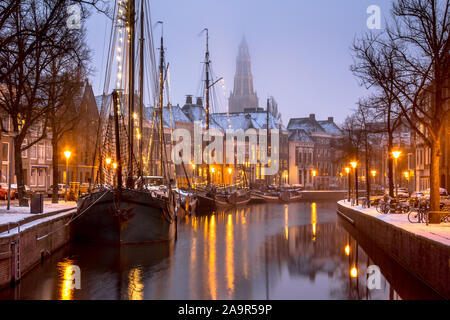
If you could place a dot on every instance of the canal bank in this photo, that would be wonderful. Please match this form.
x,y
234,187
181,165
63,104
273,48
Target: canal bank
x,y
326,195
25,239
422,250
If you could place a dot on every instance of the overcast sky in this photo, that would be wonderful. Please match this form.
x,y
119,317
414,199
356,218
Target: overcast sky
x,y
299,49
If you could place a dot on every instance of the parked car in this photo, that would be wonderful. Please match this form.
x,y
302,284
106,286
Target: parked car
x,y
415,198
14,194
61,190
84,187
401,192
442,192
3,191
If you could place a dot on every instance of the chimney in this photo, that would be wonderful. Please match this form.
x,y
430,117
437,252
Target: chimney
x,y
199,101
189,99
330,119
312,116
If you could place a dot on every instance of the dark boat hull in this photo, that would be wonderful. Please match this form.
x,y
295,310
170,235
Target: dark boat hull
x,y
127,217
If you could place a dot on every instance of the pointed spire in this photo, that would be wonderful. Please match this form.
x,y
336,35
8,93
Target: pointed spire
x,y
243,48
243,95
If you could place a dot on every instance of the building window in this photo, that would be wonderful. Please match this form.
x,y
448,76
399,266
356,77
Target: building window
x,y
24,152
33,178
33,152
41,151
48,152
41,177
5,151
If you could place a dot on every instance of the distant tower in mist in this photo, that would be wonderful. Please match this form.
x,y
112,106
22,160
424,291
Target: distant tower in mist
x,y
243,96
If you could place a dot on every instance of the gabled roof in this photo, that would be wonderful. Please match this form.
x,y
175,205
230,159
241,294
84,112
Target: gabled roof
x,y
309,125
330,127
245,120
169,116
300,136
196,113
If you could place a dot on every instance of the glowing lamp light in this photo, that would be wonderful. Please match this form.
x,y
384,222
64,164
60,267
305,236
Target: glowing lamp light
x,y
353,272
353,164
108,161
212,170
347,169
347,250
396,154
67,154
193,165
134,115
139,136
314,173
374,173
406,174
115,165
229,170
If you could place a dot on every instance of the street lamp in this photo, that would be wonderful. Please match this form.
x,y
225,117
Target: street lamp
x,y
314,173
354,164
396,154
347,169
108,161
67,154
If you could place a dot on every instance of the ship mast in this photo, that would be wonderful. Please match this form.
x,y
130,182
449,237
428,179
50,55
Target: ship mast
x,y
131,67
207,86
141,90
116,104
161,104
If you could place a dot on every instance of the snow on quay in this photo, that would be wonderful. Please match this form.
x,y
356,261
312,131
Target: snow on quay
x,y
436,232
18,214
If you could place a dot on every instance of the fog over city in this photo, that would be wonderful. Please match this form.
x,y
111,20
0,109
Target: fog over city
x,y
299,49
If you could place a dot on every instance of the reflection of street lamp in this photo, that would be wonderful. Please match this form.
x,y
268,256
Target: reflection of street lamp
x,y
108,161
67,154
347,250
353,272
115,165
396,154
354,164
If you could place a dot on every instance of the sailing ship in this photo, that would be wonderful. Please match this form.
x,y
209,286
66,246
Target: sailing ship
x,y
114,212
212,197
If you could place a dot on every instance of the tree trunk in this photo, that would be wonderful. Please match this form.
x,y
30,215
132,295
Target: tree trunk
x,y
55,159
390,166
23,201
367,175
434,181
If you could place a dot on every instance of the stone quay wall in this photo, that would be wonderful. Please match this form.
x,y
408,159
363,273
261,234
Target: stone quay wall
x,y
425,258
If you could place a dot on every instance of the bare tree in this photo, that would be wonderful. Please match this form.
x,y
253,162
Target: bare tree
x,y
411,62
25,60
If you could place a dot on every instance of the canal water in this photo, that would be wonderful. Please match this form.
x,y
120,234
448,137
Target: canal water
x,y
303,250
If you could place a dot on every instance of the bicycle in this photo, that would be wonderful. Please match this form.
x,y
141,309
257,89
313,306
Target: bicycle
x,y
384,206
418,216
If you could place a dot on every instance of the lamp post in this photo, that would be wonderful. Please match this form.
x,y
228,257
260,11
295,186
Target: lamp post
x,y
347,169
67,154
396,154
354,164
406,174
314,173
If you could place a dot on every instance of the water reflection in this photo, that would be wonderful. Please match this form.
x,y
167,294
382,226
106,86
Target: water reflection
x,y
277,251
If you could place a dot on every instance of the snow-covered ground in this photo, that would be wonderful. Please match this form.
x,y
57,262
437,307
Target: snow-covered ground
x,y
17,214
436,232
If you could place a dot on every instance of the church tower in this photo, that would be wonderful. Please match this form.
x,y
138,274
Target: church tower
x,y
243,96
